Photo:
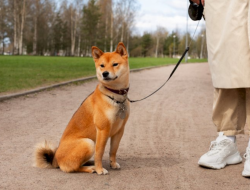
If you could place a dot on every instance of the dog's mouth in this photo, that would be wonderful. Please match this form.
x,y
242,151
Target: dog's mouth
x,y
109,79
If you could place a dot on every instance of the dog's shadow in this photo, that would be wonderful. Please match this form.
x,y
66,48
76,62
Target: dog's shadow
x,y
142,162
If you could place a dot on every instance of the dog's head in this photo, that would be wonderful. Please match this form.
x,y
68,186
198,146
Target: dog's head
x,y
112,68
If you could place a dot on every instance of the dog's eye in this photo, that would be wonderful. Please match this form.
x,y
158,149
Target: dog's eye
x,y
115,64
102,65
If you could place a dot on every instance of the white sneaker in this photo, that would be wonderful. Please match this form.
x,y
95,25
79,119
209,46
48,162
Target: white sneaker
x,y
246,171
222,152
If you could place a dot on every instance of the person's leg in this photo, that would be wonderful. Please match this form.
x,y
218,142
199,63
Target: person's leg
x,y
229,116
247,131
246,171
229,111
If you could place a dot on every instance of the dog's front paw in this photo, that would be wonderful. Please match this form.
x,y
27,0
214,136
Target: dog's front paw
x,y
115,165
102,171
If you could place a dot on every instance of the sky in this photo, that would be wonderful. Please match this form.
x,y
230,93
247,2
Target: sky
x,y
170,14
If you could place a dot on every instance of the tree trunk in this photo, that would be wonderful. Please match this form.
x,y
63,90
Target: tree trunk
x,y
15,28
35,36
79,45
73,32
17,34
106,31
21,29
2,25
35,30
3,45
111,31
128,42
157,45
122,33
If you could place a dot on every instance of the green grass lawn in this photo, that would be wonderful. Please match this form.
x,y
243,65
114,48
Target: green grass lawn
x,y
27,72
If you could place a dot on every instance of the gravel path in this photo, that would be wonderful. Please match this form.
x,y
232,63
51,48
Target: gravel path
x,y
164,137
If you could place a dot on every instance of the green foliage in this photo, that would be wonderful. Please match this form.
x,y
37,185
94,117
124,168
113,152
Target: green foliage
x,y
91,18
192,48
44,33
4,23
58,33
135,47
146,43
169,45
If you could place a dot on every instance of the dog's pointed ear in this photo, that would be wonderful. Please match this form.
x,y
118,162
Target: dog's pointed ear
x,y
96,52
121,50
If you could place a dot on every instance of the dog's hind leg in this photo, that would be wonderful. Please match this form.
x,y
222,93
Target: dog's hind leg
x,y
87,169
71,155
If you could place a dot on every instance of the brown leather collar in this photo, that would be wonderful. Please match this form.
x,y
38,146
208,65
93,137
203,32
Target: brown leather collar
x,y
120,92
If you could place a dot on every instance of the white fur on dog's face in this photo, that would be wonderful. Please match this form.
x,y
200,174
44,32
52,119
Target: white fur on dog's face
x,y
112,69
116,67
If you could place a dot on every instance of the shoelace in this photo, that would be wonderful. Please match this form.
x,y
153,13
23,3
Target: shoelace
x,y
217,146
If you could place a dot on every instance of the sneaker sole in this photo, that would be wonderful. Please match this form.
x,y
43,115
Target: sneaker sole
x,y
245,174
233,159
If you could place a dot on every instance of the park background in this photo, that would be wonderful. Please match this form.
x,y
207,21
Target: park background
x,y
46,42
49,41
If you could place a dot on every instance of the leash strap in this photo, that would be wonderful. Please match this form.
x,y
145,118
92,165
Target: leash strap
x,y
176,66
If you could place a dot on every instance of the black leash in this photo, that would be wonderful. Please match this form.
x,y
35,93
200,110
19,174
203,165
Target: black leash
x,y
176,66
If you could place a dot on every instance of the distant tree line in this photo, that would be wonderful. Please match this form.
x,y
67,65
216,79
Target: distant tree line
x,y
161,43
71,27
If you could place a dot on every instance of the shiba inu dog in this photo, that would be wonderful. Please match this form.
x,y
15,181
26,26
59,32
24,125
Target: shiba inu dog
x,y
101,116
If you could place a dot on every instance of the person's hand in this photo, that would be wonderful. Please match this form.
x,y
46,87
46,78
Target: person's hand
x,y
198,2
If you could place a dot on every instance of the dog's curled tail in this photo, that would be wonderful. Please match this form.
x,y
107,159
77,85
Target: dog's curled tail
x,y
44,156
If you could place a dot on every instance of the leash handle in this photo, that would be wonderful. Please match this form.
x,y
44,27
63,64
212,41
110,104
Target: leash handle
x,y
176,66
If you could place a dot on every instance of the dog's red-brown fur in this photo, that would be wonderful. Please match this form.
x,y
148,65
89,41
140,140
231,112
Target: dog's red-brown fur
x,y
95,121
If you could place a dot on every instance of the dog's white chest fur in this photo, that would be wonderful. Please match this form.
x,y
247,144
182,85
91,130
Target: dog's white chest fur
x,y
113,115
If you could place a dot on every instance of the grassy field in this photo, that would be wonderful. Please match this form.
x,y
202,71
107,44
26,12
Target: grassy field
x,y
27,72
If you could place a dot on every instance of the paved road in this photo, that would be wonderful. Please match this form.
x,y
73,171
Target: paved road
x,y
164,137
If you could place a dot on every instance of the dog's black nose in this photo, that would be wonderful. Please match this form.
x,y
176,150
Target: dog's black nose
x,y
105,74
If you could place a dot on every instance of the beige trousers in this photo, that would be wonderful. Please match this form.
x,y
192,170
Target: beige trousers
x,y
231,110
